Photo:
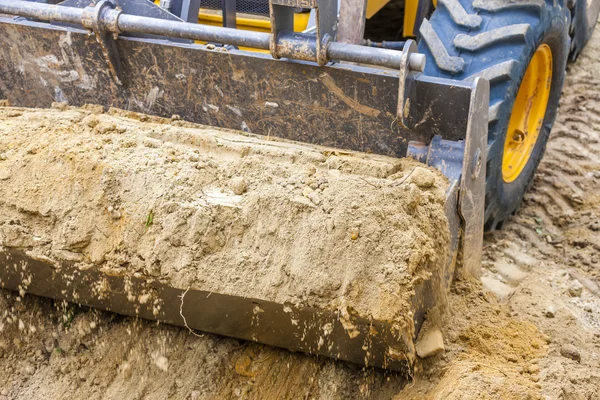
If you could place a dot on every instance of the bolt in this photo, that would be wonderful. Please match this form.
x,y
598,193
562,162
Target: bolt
x,y
518,136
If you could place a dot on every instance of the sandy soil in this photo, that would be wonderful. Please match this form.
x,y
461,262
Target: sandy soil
x,y
533,330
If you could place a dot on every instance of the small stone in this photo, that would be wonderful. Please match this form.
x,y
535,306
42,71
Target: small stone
x,y
314,197
3,157
570,351
239,185
311,170
575,289
550,312
430,344
354,235
306,191
4,175
595,226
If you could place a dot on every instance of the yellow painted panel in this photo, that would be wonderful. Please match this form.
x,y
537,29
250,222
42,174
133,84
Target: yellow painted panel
x,y
373,6
410,15
260,24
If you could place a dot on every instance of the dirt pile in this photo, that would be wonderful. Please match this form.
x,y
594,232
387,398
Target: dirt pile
x,y
220,212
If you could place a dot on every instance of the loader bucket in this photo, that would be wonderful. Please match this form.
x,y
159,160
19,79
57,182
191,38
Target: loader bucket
x,y
374,101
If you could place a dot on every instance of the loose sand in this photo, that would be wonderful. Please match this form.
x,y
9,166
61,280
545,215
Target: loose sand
x,y
213,210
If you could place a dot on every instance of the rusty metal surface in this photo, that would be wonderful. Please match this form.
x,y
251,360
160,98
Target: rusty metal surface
x,y
343,106
309,330
352,20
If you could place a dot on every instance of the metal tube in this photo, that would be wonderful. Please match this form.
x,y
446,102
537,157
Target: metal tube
x,y
41,11
206,33
365,55
176,29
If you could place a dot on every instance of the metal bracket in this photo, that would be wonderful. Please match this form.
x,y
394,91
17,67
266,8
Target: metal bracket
x,y
282,28
102,19
463,162
472,185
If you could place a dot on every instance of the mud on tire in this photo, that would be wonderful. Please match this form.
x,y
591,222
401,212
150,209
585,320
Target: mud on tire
x,y
495,39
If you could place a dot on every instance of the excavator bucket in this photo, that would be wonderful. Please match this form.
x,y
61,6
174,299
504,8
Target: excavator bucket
x,y
336,98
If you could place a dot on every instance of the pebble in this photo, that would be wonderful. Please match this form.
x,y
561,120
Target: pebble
x,y
550,312
3,157
314,197
239,185
570,351
306,191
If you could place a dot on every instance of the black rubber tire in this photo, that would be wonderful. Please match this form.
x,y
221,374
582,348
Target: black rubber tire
x,y
583,21
496,39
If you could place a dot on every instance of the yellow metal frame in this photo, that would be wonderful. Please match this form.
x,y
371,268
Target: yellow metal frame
x,y
410,16
251,22
262,24
373,6
528,114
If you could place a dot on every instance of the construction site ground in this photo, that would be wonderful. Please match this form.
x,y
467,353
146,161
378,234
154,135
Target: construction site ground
x,y
531,330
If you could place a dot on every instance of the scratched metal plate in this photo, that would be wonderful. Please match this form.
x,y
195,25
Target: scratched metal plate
x,y
343,106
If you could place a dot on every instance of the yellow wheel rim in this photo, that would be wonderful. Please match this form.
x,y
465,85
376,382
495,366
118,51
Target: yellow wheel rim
x,y
527,114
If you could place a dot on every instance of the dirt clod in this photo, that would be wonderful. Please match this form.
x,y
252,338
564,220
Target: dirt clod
x,y
570,351
430,344
239,185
